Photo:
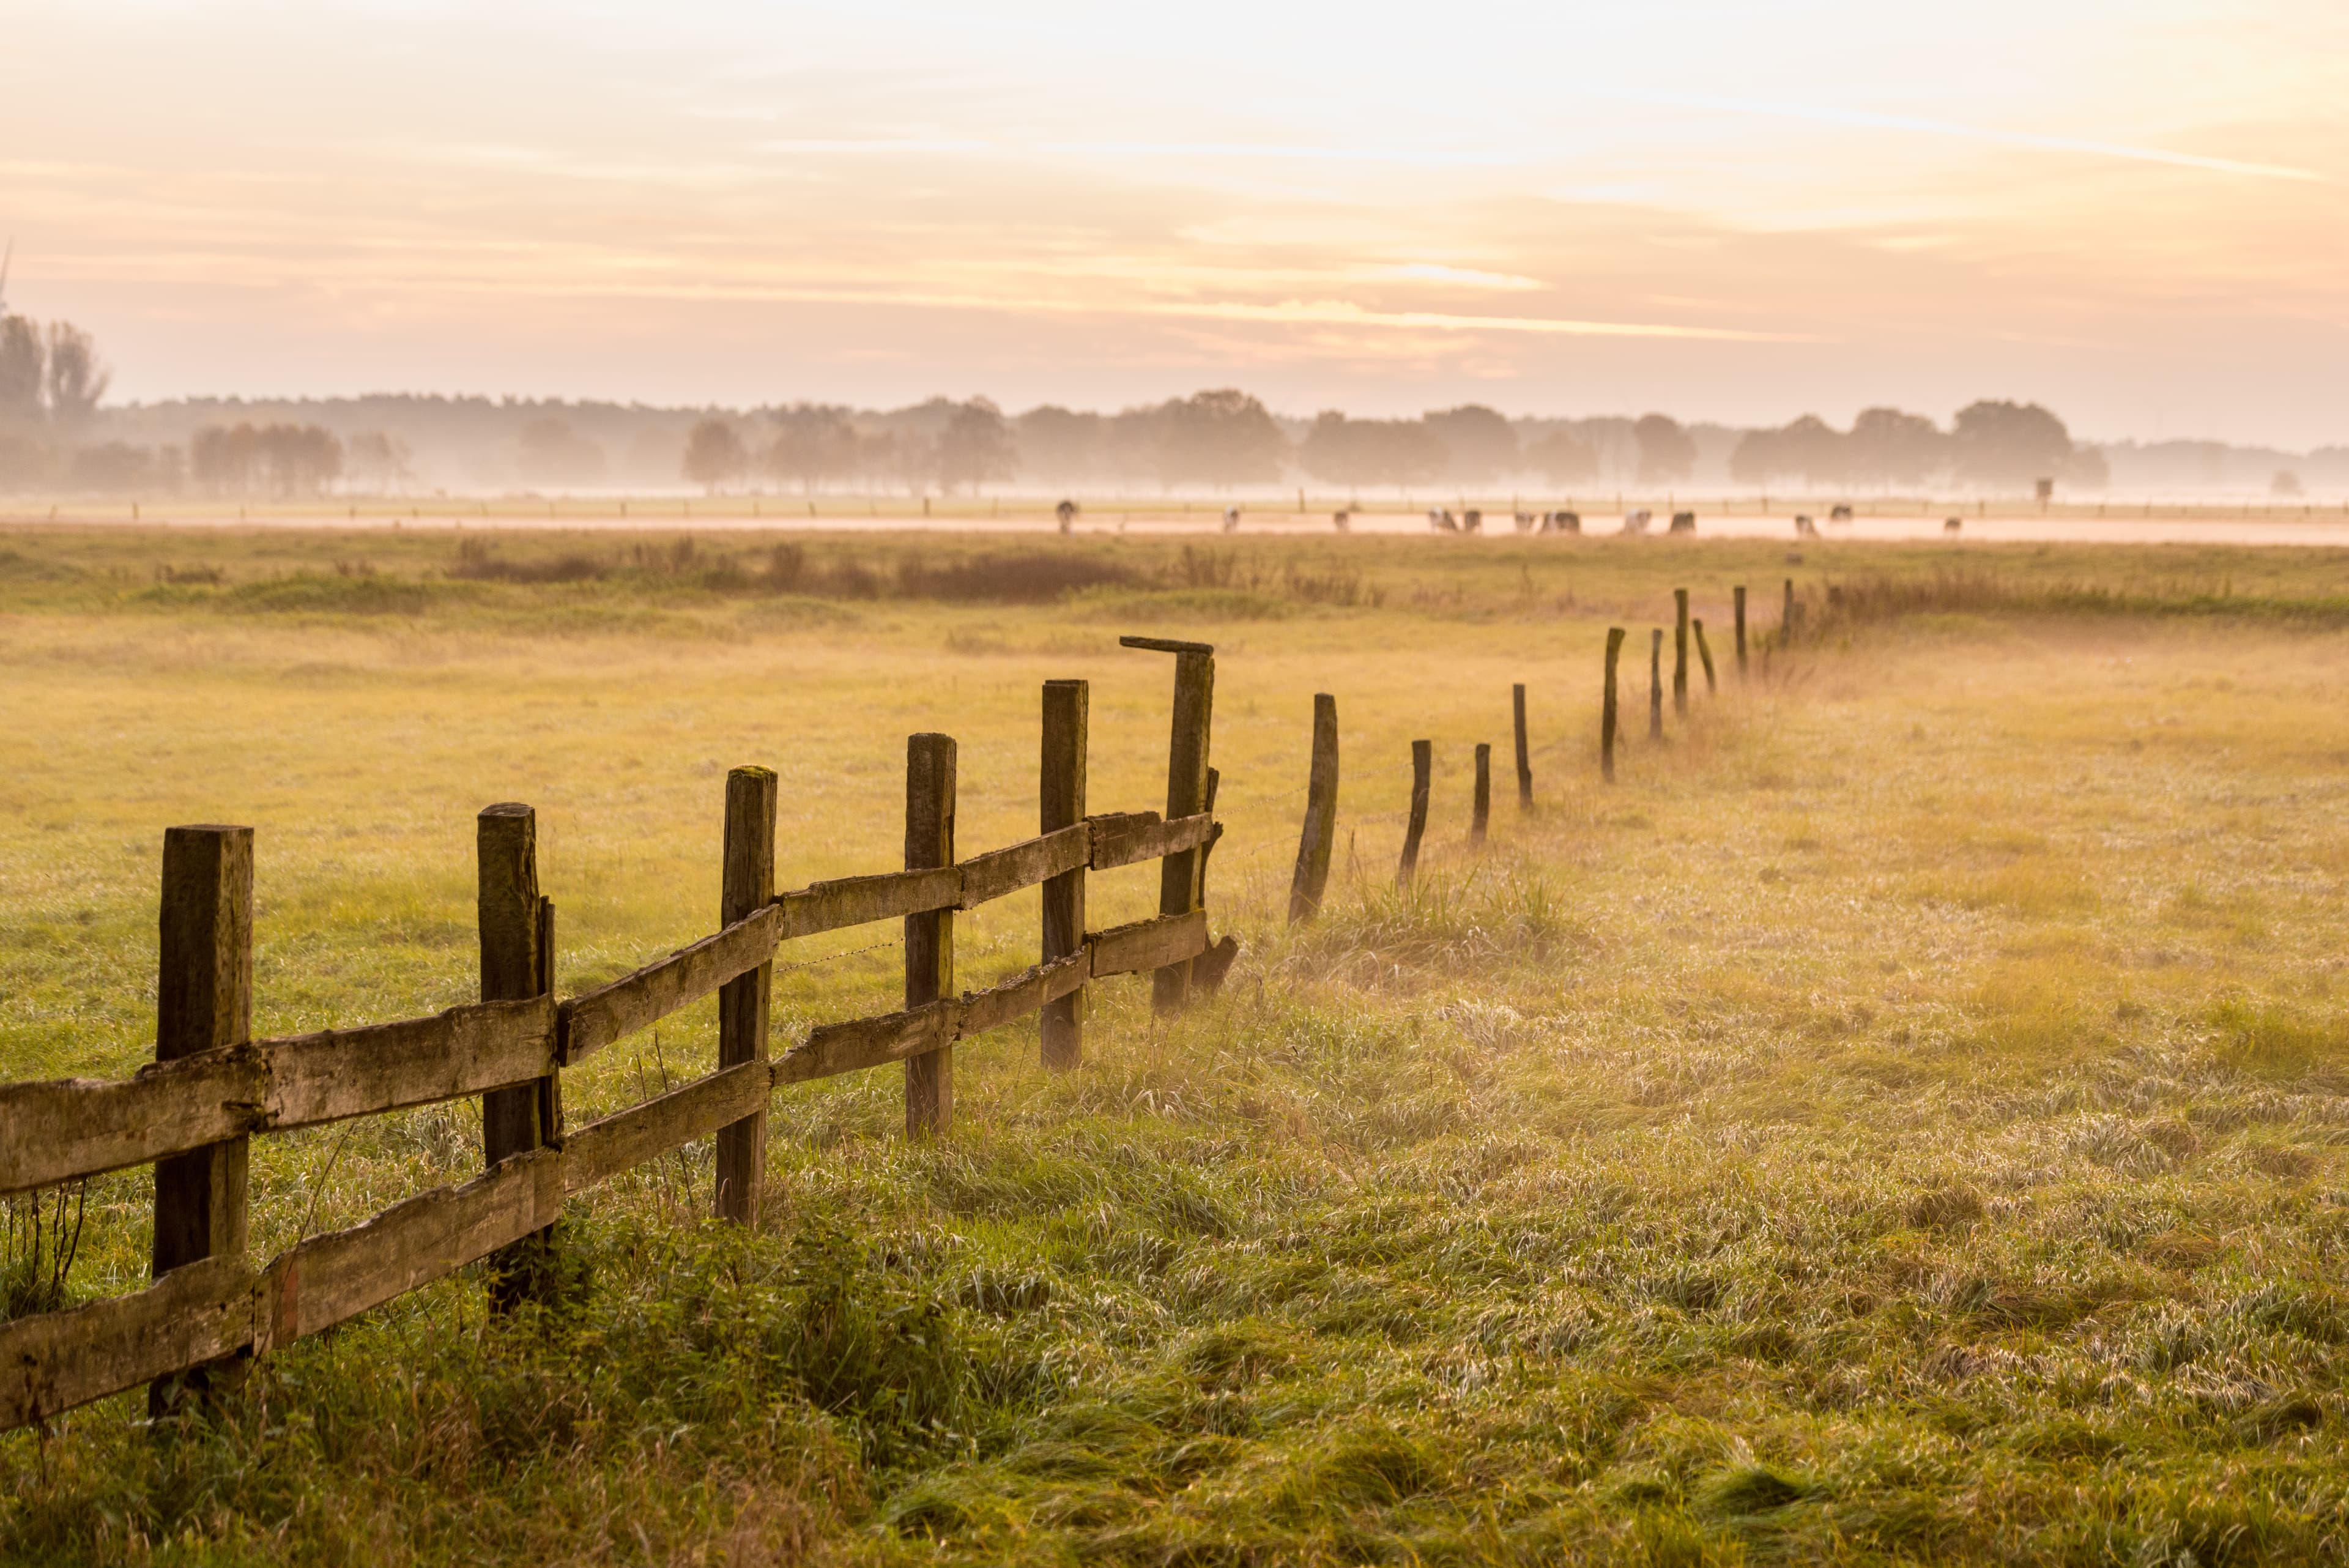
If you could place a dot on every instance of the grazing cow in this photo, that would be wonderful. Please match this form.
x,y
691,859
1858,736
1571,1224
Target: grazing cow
x,y
1637,522
1525,522
1344,520
1805,528
1442,522
1067,512
1471,522
1562,523
1839,513
1951,525
1682,523
1231,519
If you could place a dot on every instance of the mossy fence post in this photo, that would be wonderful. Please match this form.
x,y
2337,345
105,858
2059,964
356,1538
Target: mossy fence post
x,y
1679,652
1060,802
1737,598
1318,838
1422,764
929,936
1656,684
1704,657
743,1011
1483,811
1607,709
1525,752
204,1002
517,937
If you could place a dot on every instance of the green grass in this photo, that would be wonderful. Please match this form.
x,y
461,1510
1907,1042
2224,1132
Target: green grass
x,y
1901,1121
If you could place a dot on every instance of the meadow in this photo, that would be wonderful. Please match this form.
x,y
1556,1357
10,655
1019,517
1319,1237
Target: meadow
x,y
1902,1119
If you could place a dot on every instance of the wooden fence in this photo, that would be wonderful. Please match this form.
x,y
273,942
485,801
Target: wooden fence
x,y
212,1087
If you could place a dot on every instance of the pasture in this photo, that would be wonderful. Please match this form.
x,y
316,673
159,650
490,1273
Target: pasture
x,y
1902,1119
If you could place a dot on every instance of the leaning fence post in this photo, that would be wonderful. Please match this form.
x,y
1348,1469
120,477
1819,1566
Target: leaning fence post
x,y
1186,795
1737,596
1484,807
516,925
1060,802
1704,656
1680,653
929,936
1524,754
1607,709
747,884
1320,830
1656,684
1422,763
204,1002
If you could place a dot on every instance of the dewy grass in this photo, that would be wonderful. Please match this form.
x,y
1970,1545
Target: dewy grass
x,y
1901,1121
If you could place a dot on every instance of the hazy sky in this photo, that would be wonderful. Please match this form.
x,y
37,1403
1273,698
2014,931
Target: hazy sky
x,y
2136,211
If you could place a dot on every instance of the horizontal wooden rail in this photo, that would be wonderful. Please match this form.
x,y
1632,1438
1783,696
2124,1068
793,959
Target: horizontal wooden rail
x,y
218,1306
52,1132
59,1131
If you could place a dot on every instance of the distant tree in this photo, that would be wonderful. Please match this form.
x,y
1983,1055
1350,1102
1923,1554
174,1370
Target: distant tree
x,y
1480,441
812,446
379,461
122,468
2285,482
300,460
75,380
552,453
1889,447
1400,453
1809,449
1666,452
976,447
714,455
2003,444
1563,458
1059,444
2086,468
22,366
1218,438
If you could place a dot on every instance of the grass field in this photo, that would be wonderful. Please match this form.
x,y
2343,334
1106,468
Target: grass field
x,y
1902,1120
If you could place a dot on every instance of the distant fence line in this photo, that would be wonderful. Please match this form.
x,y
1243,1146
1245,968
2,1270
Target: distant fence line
x,y
212,1087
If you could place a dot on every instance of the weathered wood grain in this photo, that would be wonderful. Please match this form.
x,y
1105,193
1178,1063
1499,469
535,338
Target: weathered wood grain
x,y
1025,864
333,1278
602,1149
745,1003
1062,761
1024,993
858,900
56,1131
836,1048
200,1311
1130,837
595,1019
1149,944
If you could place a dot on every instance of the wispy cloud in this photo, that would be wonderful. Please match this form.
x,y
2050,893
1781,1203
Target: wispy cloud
x,y
1828,114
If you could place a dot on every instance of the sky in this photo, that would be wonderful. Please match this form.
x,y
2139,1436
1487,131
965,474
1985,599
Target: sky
x,y
2135,213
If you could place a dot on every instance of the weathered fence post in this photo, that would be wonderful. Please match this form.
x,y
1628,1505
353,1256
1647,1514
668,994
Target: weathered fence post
x,y
1320,831
1680,653
1525,753
1737,596
929,936
1656,684
1060,802
1208,969
1786,615
204,1002
1704,657
517,929
1484,807
1186,795
1607,709
1422,763
747,884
